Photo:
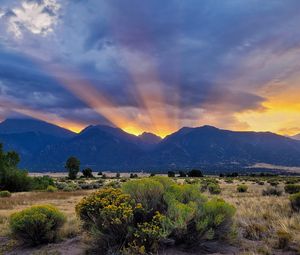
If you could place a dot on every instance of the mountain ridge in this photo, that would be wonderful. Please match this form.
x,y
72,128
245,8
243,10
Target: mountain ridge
x,y
109,148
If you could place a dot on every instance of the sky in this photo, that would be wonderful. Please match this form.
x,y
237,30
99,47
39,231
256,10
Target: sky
x,y
152,65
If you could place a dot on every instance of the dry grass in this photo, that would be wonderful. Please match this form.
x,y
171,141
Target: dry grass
x,y
264,223
65,201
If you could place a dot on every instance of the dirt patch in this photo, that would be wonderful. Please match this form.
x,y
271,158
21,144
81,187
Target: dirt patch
x,y
72,246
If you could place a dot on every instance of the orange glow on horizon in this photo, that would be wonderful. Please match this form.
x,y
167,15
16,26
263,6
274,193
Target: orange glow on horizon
x,y
74,126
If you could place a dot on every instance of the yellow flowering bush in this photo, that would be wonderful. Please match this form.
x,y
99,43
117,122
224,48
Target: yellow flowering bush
x,y
144,213
147,235
37,224
109,213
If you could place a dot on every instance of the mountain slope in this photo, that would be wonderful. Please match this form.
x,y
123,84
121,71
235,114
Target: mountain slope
x,y
211,146
28,137
16,126
109,148
99,147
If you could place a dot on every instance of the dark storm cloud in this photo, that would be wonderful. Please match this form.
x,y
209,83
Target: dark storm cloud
x,y
197,47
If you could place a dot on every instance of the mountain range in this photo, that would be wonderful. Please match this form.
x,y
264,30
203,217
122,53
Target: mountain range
x,y
45,147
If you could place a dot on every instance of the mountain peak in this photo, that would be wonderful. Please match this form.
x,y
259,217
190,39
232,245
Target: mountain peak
x,y
150,138
16,126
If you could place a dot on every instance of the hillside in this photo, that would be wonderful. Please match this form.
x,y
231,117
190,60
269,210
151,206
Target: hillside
x,y
45,147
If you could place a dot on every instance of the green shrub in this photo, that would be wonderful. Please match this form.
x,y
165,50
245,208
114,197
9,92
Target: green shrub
x,y
5,193
61,185
37,224
14,180
194,219
86,186
272,191
136,218
71,187
87,173
51,188
214,188
295,202
41,183
182,202
215,220
292,188
242,188
148,192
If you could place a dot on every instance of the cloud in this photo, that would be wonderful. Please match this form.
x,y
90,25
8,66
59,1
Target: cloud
x,y
160,63
36,17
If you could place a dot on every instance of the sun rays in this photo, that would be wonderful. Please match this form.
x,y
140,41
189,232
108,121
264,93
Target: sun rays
x,y
72,125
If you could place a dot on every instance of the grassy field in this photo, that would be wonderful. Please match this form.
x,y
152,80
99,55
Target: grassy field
x,y
264,224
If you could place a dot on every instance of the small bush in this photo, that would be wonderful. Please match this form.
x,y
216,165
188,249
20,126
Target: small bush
x,y
242,188
41,183
51,188
87,173
61,185
292,188
5,193
295,202
15,180
214,188
86,186
37,224
272,191
71,187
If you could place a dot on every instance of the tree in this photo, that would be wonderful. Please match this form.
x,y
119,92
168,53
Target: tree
x,y
11,178
195,173
73,167
171,174
8,159
12,159
182,174
87,173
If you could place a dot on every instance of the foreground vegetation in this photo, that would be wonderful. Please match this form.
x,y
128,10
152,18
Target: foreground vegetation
x,y
150,215
260,223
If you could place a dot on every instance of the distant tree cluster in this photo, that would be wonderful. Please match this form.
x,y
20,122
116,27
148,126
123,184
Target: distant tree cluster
x,y
234,174
193,173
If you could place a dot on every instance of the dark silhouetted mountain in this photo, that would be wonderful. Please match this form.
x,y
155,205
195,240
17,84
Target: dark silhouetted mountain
x,y
99,147
109,148
149,138
198,147
16,126
28,137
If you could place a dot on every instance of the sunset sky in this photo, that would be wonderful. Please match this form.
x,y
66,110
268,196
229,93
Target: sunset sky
x,y
152,65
